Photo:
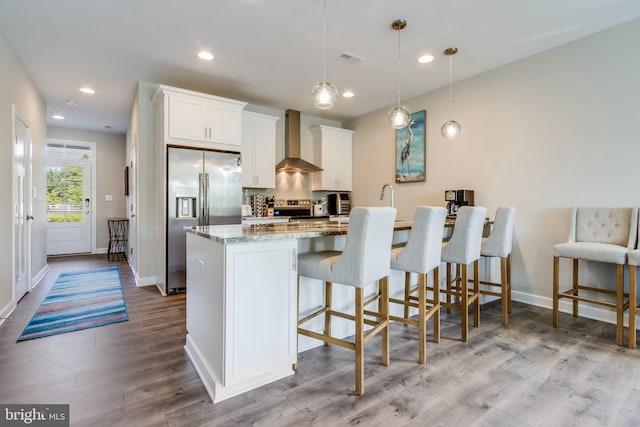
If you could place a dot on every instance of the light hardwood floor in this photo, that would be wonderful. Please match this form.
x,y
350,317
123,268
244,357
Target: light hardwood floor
x,y
136,373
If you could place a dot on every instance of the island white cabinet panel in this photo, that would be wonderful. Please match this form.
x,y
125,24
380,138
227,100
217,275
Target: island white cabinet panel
x,y
197,117
258,150
333,153
241,313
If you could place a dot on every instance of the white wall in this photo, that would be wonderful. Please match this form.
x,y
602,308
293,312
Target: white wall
x,y
110,163
16,87
554,130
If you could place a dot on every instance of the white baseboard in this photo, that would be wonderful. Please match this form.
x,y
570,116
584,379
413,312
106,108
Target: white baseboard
x,y
6,311
35,280
101,250
566,306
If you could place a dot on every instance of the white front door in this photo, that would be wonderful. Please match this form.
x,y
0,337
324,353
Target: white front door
x,y
69,213
22,207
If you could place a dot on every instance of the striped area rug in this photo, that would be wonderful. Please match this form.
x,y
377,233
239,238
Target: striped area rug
x,y
79,300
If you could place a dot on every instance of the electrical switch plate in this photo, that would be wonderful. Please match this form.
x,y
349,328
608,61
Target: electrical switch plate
x,y
108,198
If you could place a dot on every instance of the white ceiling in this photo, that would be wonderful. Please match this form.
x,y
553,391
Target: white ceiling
x,y
269,52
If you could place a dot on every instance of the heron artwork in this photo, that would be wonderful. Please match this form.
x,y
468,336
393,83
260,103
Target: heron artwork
x,y
406,149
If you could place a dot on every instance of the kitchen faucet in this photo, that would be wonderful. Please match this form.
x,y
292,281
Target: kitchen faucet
x,y
390,190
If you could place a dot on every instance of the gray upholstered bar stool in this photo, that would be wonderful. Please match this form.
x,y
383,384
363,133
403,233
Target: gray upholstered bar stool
x,y
463,249
421,255
498,245
364,260
633,259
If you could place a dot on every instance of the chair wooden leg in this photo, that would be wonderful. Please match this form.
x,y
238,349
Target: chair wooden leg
x,y
448,274
359,341
509,280
575,287
620,305
328,287
422,327
465,302
556,266
476,293
436,302
504,288
632,306
384,311
407,293
295,365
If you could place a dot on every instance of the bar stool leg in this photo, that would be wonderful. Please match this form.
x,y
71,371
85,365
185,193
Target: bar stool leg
x,y
359,342
575,287
632,306
407,294
422,322
436,301
504,287
328,288
556,267
465,302
509,279
448,288
384,311
620,305
476,293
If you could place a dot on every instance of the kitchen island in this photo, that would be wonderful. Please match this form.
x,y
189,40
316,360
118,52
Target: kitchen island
x,y
242,300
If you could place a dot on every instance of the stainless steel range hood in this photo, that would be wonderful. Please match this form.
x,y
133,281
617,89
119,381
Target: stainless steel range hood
x,y
292,161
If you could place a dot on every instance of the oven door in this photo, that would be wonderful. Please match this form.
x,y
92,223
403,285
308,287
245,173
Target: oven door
x,y
289,211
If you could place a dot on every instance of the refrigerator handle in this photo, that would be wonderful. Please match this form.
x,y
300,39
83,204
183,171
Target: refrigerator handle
x,y
201,199
206,198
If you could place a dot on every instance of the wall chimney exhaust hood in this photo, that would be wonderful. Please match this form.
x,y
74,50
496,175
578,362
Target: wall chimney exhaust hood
x,y
292,161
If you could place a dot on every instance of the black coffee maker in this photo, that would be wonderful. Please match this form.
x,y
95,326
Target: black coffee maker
x,y
457,198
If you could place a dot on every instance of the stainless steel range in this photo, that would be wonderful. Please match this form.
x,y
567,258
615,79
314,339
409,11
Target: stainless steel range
x,y
295,208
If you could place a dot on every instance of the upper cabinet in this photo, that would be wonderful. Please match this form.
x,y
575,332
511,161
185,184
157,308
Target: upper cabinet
x,y
193,118
332,152
258,150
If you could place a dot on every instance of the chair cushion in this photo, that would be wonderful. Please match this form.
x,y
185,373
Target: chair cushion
x,y
633,257
317,265
590,251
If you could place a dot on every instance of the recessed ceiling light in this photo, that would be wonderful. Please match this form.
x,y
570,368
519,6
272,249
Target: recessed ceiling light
x,y
58,117
87,90
348,94
424,59
207,56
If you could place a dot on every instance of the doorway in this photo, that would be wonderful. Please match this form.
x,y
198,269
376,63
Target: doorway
x,y
70,219
22,201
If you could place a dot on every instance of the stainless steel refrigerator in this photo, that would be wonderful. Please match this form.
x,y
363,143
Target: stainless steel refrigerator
x,y
203,188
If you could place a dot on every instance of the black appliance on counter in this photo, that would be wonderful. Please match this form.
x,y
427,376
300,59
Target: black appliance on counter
x,y
457,198
295,209
339,204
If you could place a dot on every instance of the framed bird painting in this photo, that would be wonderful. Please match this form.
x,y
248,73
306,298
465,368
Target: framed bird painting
x,y
411,149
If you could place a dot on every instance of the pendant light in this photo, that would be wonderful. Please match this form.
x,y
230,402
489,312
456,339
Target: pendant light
x,y
450,129
399,116
324,94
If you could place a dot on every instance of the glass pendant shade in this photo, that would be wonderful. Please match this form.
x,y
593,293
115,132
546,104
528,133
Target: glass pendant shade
x,y
399,117
451,129
325,95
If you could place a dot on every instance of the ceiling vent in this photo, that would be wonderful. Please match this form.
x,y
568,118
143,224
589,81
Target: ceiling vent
x,y
350,58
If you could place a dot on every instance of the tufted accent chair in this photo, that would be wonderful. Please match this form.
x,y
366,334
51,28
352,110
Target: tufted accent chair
x,y
603,235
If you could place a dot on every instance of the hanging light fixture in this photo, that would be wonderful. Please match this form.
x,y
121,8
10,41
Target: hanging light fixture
x,y
450,129
324,94
399,116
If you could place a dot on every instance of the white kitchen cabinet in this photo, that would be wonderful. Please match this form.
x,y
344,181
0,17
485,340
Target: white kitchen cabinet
x,y
332,152
258,150
241,313
192,117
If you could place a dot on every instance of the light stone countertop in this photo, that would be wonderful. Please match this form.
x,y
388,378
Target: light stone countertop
x,y
238,233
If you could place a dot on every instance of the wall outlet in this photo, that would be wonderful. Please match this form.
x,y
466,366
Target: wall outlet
x,y
108,198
